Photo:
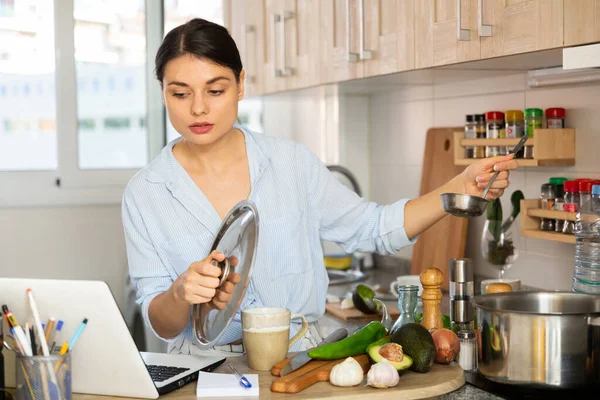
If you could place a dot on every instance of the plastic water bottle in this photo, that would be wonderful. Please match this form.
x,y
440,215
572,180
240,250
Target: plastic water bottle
x,y
586,277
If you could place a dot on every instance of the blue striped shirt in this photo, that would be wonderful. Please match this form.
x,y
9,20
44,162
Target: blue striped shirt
x,y
169,224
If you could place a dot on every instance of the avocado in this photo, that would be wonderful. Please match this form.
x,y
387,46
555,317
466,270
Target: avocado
x,y
495,340
375,352
417,343
362,297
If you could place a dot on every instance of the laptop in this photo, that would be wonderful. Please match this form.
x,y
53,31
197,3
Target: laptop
x,y
105,359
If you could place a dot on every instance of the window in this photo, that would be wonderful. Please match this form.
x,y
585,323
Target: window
x,y
110,59
27,86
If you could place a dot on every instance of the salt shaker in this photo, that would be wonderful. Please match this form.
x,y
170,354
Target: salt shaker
x,y
468,354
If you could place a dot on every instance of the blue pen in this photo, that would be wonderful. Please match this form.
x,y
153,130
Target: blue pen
x,y
243,381
77,333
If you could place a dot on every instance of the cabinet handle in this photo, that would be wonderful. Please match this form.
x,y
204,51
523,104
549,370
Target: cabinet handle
x,y
248,29
461,34
364,54
285,71
274,20
484,30
352,57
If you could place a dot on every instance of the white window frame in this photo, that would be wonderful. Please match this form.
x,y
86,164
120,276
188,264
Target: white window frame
x,y
69,185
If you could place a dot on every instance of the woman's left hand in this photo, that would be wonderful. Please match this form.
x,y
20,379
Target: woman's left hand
x,y
476,176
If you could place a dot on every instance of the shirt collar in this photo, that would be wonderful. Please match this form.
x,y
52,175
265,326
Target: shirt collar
x,y
166,169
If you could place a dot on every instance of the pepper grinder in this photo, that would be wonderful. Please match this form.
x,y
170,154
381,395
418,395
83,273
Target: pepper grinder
x,y
431,280
461,292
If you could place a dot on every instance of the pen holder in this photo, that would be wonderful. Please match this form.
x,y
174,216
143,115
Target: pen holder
x,y
43,377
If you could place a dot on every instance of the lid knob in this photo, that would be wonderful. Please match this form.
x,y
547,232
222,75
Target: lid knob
x,y
498,287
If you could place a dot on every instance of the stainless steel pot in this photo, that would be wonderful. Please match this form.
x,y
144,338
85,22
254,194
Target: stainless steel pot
x,y
544,339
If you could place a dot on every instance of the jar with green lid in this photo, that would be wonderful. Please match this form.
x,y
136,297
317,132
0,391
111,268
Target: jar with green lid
x,y
559,191
534,119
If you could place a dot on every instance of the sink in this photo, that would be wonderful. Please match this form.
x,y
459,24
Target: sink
x,y
339,277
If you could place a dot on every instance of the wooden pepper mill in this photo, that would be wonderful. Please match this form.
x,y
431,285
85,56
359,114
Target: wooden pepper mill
x,y
431,279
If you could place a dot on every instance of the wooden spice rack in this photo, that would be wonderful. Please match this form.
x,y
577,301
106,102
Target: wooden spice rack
x,y
530,217
551,147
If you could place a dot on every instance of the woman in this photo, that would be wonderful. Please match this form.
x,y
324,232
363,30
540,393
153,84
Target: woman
x,y
174,206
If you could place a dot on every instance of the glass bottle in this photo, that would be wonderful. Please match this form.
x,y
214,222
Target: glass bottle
x,y
407,306
469,353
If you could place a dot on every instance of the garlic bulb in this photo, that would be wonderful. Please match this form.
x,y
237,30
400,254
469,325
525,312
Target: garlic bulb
x,y
347,303
382,375
347,373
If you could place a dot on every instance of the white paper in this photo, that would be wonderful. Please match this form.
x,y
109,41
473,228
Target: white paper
x,y
211,384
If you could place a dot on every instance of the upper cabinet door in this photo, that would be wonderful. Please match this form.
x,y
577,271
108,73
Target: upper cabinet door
x,y
277,65
445,32
519,26
387,30
582,22
340,42
247,29
304,40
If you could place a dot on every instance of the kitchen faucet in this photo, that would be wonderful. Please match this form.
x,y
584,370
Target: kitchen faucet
x,y
361,259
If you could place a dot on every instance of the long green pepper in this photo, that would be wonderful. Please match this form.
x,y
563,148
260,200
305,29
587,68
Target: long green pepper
x,y
352,345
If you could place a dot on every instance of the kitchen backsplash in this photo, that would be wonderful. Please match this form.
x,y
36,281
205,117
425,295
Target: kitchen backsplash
x,y
399,120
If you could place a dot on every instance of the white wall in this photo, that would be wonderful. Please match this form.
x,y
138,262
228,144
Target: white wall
x,y
64,243
398,125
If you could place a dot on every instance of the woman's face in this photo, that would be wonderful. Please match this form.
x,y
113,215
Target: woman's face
x,y
201,98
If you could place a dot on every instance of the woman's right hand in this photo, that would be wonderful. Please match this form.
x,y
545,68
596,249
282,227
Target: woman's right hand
x,y
200,282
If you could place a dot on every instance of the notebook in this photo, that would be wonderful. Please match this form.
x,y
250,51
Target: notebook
x,y
224,385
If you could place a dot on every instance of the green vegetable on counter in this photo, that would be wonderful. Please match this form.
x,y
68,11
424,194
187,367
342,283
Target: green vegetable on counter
x,y
354,344
445,320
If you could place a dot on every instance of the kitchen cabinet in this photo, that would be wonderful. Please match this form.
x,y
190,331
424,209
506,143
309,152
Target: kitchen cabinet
x,y
519,26
340,42
448,32
582,22
362,38
292,38
445,32
247,29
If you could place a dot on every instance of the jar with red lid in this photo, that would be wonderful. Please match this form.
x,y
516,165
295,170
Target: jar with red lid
x,y
495,129
585,190
555,118
571,196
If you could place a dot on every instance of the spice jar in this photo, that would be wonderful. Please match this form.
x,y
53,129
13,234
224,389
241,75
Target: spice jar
x,y
468,355
514,128
533,118
470,133
480,129
585,191
547,224
548,196
495,129
555,118
571,203
558,183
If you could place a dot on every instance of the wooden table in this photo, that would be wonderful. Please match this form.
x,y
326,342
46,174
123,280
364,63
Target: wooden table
x,y
439,380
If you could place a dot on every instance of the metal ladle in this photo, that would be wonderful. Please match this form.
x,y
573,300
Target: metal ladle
x,y
466,205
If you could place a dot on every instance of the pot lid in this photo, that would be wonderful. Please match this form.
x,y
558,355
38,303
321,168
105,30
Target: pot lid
x,y
237,239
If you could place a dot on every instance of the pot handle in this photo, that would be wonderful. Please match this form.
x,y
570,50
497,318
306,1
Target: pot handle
x,y
593,321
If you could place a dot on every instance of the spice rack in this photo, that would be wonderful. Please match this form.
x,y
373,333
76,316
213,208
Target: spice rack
x,y
551,147
530,217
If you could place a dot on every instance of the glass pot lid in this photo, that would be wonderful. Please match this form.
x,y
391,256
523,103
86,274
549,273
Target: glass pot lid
x,y
237,239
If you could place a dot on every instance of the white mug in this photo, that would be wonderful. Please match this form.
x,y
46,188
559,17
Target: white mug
x,y
406,280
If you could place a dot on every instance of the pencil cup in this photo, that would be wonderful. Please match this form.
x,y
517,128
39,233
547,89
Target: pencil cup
x,y
43,377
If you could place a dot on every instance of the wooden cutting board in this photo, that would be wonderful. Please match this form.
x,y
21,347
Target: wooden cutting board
x,y
354,315
448,237
313,372
312,381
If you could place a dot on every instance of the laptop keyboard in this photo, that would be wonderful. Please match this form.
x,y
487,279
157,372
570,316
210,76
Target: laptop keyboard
x,y
161,373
